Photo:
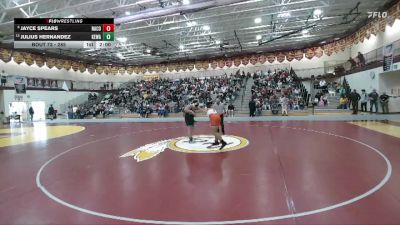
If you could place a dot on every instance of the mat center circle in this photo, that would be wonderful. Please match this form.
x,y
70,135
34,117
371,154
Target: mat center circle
x,y
204,144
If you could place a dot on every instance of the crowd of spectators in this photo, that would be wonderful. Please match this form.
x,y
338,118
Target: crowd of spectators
x,y
323,89
276,90
93,107
163,96
349,99
353,100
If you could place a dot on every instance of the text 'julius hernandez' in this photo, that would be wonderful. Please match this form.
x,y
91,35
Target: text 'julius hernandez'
x,y
71,20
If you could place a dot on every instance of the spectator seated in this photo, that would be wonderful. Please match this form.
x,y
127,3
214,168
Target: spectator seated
x,y
166,96
268,89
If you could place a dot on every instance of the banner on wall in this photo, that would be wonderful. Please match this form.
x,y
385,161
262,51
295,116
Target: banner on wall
x,y
20,84
388,57
65,86
151,77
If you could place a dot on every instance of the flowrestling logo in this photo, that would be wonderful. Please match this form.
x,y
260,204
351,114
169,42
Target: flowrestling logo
x,y
379,15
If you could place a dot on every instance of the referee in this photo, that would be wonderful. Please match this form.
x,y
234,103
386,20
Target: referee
x,y
220,108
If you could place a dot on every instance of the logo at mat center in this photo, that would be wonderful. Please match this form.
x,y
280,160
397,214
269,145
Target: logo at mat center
x,y
200,144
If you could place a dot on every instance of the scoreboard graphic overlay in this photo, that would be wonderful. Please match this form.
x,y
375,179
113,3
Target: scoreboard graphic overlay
x,y
63,33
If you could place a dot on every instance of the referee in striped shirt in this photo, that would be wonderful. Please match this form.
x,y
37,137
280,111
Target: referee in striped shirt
x,y
220,108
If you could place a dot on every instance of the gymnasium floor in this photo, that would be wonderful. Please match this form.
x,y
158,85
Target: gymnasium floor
x,y
272,172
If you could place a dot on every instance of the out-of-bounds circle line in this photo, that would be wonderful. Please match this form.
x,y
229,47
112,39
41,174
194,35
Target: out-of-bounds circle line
x,y
243,221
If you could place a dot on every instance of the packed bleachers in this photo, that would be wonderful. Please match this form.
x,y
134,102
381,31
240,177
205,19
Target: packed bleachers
x,y
273,89
164,96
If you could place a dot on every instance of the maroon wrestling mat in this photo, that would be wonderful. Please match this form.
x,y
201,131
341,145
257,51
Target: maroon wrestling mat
x,y
278,173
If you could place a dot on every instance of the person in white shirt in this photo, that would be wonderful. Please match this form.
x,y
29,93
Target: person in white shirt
x,y
322,83
284,102
279,84
364,99
297,91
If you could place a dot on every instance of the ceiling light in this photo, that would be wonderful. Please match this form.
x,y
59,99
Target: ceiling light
x,y
122,39
127,13
258,37
257,20
181,47
206,27
148,50
217,42
284,15
317,13
185,2
305,33
71,16
191,23
119,55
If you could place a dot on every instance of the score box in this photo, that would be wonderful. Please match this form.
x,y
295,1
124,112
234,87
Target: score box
x,y
108,27
108,36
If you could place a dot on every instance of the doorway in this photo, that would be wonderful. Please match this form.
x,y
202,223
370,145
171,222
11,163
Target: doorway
x,y
18,109
39,107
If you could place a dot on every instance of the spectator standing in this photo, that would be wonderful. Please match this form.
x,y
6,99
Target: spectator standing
x,y
373,100
284,103
352,63
74,108
364,100
258,107
231,110
70,112
342,90
355,98
51,112
384,100
343,102
161,110
252,107
78,112
3,76
31,112
361,59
